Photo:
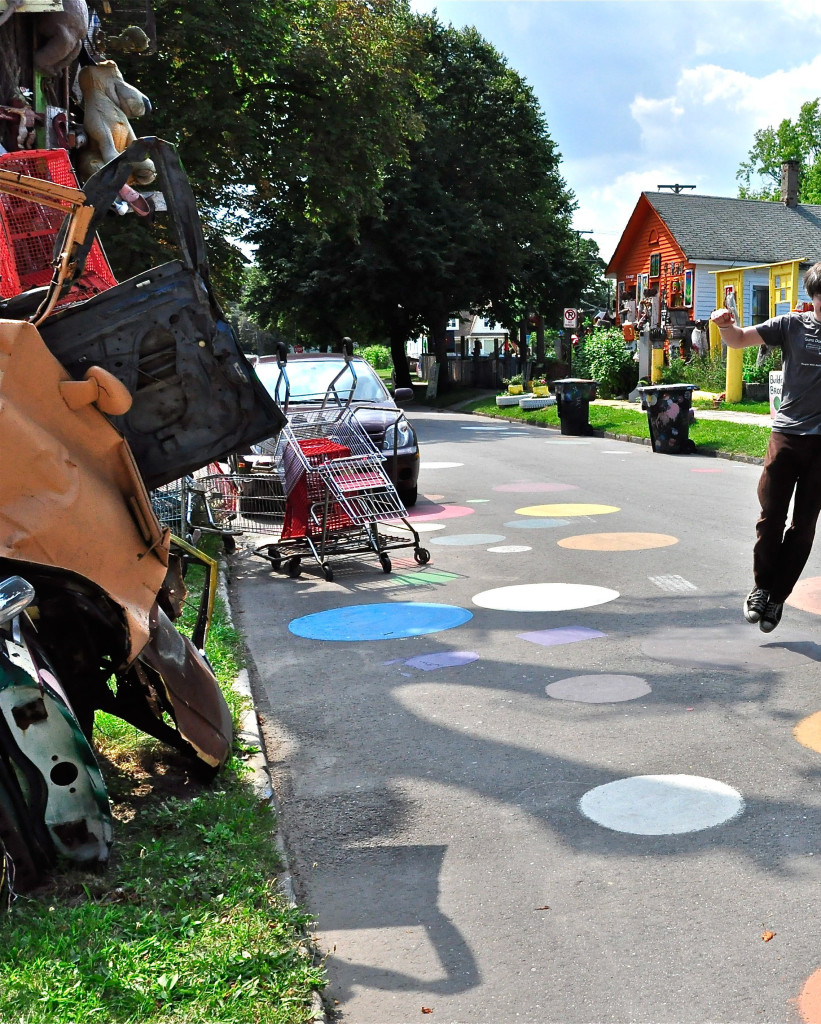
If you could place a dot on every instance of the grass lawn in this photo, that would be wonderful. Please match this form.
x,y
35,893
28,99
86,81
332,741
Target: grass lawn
x,y
186,924
709,435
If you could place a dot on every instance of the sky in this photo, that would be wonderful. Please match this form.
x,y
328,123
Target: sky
x,y
651,92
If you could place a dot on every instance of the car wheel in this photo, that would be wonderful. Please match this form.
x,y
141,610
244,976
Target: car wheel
x,y
408,496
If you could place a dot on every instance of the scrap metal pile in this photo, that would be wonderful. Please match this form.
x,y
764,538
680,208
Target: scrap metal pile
x,y
107,391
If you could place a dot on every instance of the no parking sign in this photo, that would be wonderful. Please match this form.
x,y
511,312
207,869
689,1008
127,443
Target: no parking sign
x,y
570,318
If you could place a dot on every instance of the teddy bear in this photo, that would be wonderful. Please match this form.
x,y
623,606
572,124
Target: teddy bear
x,y
61,35
108,102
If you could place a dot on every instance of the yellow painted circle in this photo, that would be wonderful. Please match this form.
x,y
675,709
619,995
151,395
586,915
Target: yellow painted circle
x,y
808,732
617,541
566,510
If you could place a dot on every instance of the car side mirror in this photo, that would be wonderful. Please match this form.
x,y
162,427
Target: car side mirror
x,y
403,395
16,594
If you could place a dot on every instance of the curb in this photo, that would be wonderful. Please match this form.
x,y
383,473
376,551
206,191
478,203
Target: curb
x,y
251,735
752,460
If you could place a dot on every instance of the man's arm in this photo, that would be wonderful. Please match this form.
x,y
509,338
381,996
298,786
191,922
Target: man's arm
x,y
732,335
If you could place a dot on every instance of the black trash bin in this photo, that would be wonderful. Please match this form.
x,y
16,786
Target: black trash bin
x,y
668,415
573,398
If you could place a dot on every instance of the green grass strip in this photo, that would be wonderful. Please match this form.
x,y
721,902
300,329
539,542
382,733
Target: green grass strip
x,y
708,435
186,924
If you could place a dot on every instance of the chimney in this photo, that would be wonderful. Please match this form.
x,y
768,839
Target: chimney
x,y
789,182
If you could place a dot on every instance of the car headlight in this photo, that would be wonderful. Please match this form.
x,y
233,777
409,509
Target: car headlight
x,y
403,433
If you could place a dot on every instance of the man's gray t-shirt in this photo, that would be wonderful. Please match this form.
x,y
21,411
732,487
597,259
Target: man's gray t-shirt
x,y
799,337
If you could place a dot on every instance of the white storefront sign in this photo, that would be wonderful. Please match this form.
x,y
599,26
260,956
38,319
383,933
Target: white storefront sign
x,y
776,383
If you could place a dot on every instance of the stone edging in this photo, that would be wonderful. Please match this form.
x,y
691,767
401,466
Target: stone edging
x,y
251,734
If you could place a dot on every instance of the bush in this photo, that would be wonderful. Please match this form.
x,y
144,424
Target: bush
x,y
379,356
607,359
755,374
707,374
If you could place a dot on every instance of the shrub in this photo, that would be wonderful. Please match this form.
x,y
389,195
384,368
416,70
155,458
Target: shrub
x,y
707,374
610,362
754,373
379,356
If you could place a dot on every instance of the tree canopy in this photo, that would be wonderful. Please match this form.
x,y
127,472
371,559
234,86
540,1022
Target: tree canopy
x,y
298,104
800,140
477,218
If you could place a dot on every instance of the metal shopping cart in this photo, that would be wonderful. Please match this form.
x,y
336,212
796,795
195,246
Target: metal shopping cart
x,y
327,496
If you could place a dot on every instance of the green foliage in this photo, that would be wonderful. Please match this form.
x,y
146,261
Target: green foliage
x,y
754,373
706,373
379,356
760,175
607,359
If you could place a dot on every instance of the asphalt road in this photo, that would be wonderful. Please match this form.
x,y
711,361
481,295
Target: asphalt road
x,y
440,792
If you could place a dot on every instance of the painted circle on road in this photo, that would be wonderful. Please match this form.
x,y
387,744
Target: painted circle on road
x,y
467,539
419,527
544,597
440,465
808,732
567,510
510,549
602,689
809,1000
661,805
379,621
442,659
536,524
807,595
523,487
617,541
442,512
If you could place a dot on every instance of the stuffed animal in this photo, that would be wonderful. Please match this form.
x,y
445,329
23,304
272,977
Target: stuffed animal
x,y
61,35
108,102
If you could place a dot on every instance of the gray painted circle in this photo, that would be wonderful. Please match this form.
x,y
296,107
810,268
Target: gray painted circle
x,y
536,524
601,689
661,805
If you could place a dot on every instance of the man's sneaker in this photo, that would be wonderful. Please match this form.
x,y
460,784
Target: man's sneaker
x,y
771,616
755,604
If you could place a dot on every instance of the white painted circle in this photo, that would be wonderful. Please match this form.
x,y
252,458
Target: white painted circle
x,y
661,805
599,689
510,549
544,597
440,465
419,527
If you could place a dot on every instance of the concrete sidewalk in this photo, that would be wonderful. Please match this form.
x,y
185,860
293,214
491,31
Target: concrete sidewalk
x,y
752,418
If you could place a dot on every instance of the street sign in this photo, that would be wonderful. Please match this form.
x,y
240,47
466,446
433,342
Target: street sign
x,y
570,318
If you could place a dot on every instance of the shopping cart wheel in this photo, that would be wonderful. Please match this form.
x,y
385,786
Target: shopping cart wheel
x,y
273,556
327,571
421,556
294,567
229,543
385,562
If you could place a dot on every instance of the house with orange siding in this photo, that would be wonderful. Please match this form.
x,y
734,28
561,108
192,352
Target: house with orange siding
x,y
676,242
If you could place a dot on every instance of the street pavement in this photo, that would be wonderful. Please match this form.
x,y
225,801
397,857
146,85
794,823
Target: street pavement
x,y
586,790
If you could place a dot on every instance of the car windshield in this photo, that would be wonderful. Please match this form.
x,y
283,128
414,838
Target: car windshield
x,y
310,379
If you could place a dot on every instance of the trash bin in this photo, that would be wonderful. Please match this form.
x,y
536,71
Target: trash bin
x,y
668,415
573,398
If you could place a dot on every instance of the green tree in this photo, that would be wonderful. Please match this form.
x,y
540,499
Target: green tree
x,y
478,219
298,103
800,140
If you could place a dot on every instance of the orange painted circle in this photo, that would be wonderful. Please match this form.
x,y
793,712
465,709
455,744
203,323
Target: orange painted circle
x,y
617,541
807,595
809,1002
808,732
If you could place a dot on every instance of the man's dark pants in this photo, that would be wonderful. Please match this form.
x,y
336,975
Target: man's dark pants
x,y
793,463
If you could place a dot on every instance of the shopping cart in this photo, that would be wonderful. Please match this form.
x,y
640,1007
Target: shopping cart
x,y
327,495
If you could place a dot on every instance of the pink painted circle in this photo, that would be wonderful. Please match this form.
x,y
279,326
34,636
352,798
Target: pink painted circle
x,y
807,595
425,512
523,487
710,470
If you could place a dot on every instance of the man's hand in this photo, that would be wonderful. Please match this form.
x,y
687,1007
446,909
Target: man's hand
x,y
722,318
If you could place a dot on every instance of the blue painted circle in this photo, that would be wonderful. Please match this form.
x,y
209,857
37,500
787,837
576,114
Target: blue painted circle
x,y
379,621
466,539
537,524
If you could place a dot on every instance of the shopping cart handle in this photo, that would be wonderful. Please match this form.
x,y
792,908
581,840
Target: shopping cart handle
x,y
282,352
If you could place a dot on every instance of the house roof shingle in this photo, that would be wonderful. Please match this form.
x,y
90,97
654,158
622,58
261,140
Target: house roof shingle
x,y
739,230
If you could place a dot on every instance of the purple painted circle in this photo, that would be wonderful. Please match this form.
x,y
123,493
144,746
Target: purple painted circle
x,y
523,487
442,512
442,659
598,689
537,524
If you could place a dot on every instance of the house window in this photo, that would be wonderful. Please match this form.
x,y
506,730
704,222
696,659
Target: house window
x,y
761,303
655,264
453,323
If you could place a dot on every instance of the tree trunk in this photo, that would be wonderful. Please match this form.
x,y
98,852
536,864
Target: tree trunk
x,y
439,337
401,370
